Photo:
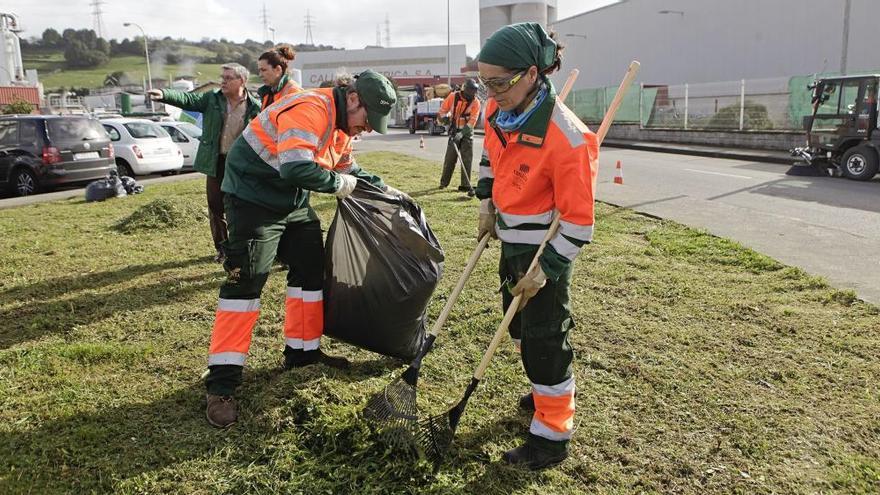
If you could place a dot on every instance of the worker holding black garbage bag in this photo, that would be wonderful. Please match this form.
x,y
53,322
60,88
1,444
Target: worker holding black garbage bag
x,y
539,158
283,154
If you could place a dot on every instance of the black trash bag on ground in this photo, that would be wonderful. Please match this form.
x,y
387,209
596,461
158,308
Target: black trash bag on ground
x,y
108,187
131,186
382,265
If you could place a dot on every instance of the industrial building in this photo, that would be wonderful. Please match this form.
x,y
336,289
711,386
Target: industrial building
x,y
494,14
406,65
702,41
16,84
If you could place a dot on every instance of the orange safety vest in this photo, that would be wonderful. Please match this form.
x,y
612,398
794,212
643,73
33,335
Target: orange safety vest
x,y
279,136
463,113
289,88
549,164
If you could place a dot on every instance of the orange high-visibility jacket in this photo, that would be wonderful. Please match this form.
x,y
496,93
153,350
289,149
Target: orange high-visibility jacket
x,y
548,164
288,87
464,113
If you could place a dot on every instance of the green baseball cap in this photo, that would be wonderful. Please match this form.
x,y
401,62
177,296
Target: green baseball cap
x,y
377,94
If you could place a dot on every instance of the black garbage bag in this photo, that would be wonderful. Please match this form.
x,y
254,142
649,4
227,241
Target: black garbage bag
x,y
108,187
383,263
131,186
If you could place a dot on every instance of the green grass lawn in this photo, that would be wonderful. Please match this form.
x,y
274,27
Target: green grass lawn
x,y
703,367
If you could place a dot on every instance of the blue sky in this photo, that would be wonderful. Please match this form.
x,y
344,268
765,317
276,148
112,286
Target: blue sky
x,y
349,23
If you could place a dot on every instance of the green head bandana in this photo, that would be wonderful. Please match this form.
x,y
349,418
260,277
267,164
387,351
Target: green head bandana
x,y
519,46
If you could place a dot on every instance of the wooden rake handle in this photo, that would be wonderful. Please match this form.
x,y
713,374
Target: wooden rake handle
x,y
472,262
554,226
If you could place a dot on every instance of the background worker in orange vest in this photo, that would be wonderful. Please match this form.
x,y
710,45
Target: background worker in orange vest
x,y
538,158
273,65
281,156
460,109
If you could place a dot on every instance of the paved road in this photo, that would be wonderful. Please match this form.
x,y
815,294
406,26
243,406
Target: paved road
x,y
828,227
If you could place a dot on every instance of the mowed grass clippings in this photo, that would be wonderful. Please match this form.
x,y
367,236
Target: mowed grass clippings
x,y
702,367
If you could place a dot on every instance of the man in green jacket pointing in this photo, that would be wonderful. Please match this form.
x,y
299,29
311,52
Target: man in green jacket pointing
x,y
225,113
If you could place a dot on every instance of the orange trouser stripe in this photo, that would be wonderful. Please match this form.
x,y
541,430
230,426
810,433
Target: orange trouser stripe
x,y
293,317
232,331
313,316
556,413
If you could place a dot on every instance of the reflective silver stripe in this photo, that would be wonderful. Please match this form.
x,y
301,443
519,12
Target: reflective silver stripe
x,y
267,125
558,390
238,305
579,232
540,429
312,295
485,155
515,236
512,220
294,292
306,345
219,358
297,155
565,247
260,149
298,133
568,124
486,172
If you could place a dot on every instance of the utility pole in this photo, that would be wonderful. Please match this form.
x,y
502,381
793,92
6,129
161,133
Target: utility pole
x,y
387,31
97,20
378,35
265,18
845,45
310,40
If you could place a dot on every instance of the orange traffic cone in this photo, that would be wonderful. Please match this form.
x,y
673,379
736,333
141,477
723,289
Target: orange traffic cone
x,y
421,142
618,179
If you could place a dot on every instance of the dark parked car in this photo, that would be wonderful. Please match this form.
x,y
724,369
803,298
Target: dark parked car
x,y
39,152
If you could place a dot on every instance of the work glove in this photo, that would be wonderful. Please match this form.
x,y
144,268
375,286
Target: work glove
x,y
529,285
347,183
397,192
443,120
155,94
457,137
487,220
467,131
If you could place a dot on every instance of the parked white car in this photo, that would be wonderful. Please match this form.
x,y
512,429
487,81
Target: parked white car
x,y
142,147
186,136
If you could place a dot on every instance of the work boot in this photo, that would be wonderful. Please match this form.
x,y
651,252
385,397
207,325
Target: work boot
x,y
298,358
533,458
222,410
471,193
464,189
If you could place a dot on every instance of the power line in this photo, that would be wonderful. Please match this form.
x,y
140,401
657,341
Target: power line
x,y
310,40
97,20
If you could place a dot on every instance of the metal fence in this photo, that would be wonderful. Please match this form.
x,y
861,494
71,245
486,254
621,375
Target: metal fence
x,y
745,105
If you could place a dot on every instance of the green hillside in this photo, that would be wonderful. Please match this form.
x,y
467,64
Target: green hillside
x,y
54,75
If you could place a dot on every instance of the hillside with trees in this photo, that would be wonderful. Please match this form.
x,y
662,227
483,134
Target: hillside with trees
x,y
79,60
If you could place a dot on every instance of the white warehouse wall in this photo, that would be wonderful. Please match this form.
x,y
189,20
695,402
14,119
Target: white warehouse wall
x,y
717,40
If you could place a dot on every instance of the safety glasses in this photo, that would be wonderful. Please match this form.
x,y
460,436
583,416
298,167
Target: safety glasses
x,y
500,85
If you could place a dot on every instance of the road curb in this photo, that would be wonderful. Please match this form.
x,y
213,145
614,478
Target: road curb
x,y
768,157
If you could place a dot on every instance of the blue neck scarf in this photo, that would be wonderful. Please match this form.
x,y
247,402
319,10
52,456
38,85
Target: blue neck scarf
x,y
511,121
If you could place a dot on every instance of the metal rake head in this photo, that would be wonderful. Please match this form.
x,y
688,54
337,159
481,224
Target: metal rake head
x,y
393,410
435,434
